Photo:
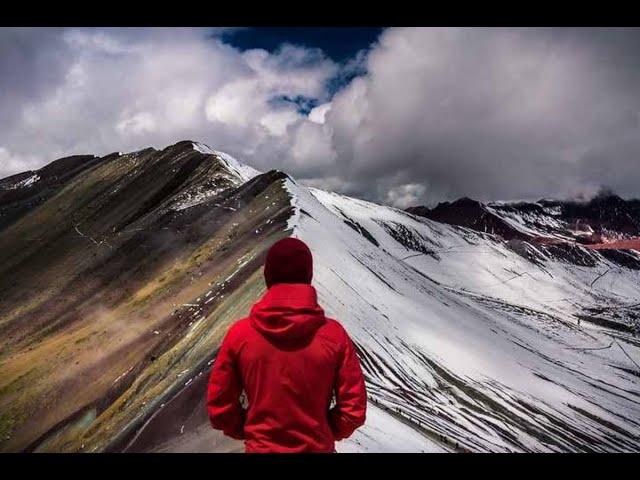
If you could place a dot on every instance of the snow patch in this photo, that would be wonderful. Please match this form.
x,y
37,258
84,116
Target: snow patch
x,y
384,434
244,172
27,182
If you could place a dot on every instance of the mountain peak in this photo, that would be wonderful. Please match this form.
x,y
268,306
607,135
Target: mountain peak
x,y
245,172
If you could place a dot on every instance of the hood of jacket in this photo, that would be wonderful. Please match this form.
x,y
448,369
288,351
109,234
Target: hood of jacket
x,y
288,312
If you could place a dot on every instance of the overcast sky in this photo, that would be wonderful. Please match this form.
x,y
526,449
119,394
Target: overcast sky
x,y
401,116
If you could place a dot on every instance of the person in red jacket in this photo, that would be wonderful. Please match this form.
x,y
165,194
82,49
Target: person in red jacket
x,y
289,359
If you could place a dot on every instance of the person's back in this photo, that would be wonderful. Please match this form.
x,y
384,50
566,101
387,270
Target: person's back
x,y
289,359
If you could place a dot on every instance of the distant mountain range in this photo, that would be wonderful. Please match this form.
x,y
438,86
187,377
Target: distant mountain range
x,y
605,219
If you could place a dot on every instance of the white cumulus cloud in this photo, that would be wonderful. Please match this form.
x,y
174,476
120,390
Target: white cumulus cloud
x,y
433,113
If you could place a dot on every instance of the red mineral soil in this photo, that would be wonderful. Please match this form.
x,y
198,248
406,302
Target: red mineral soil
x,y
631,244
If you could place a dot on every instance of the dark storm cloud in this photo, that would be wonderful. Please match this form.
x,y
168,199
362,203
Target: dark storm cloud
x,y
492,114
431,114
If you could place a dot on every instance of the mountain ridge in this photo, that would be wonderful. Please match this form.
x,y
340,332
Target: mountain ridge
x,y
120,284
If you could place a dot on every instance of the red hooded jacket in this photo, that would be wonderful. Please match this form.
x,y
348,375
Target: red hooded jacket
x,y
289,359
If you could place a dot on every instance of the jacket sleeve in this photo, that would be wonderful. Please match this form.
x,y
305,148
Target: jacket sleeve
x,y
223,393
350,410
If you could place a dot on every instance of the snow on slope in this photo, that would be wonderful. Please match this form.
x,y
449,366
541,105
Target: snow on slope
x,y
244,172
467,338
530,223
236,174
479,264
384,434
196,196
26,182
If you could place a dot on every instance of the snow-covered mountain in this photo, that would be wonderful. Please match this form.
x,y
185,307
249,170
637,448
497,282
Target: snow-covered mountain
x,y
601,222
472,337
473,340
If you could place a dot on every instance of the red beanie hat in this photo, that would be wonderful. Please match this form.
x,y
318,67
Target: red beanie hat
x,y
288,260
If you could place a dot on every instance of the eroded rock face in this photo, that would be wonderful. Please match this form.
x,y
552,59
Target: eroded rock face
x,y
23,192
115,287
